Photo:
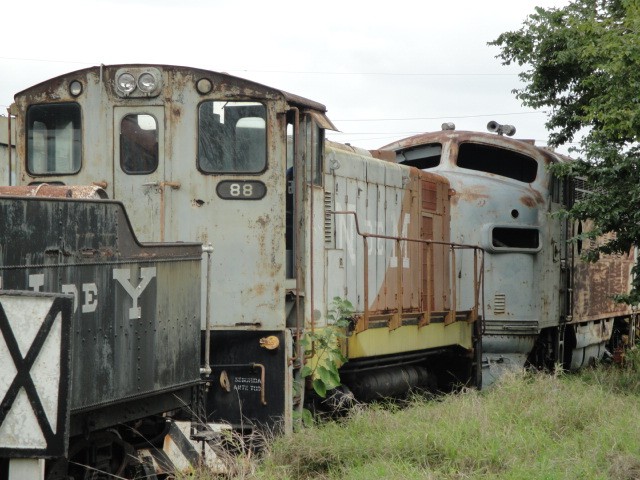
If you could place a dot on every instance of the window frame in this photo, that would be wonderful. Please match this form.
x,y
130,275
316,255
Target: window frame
x,y
77,137
507,151
250,103
157,147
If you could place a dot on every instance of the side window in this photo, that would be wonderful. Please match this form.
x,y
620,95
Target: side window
x,y
232,137
315,139
290,259
54,139
139,144
422,156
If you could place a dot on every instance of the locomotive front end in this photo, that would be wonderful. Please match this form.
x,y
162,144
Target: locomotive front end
x,y
501,202
544,305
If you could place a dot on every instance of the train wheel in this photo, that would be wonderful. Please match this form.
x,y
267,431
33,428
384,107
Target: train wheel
x,y
552,348
101,456
462,370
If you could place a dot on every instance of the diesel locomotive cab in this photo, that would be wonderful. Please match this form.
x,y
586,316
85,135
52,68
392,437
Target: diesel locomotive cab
x,y
193,156
504,199
499,203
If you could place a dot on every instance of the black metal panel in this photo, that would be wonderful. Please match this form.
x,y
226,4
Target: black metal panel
x,y
136,321
237,393
133,409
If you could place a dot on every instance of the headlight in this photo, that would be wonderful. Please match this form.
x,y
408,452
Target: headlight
x,y
137,81
147,82
126,83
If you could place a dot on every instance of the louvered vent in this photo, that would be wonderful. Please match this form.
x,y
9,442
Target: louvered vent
x,y
328,218
581,188
499,303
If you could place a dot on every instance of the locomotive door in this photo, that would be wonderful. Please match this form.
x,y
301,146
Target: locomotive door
x,y
138,176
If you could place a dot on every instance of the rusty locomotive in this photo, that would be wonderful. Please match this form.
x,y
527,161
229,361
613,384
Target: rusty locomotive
x,y
544,305
195,226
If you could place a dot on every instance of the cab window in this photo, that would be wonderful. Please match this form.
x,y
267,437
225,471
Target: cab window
x,y
232,137
498,161
54,139
422,156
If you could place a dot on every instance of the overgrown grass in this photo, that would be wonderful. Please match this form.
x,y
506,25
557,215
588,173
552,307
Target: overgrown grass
x,y
529,426
624,380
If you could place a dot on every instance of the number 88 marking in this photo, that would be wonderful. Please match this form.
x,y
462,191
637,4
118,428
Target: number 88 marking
x,y
237,190
241,190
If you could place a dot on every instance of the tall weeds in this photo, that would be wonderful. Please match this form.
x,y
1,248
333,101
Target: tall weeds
x,y
533,426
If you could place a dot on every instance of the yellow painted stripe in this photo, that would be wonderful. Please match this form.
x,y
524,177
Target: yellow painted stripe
x,y
382,341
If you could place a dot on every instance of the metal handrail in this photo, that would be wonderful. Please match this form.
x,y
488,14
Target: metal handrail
x,y
478,275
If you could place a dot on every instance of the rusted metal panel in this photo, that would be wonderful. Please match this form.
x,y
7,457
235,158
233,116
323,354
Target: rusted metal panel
x,y
596,284
436,256
400,275
55,191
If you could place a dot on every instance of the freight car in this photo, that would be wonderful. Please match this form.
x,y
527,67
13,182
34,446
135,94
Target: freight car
x,y
190,157
544,305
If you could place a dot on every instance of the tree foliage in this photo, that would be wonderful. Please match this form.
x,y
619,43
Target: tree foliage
x,y
582,63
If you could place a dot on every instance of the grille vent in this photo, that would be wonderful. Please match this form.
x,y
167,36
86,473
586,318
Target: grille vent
x,y
328,218
499,303
581,188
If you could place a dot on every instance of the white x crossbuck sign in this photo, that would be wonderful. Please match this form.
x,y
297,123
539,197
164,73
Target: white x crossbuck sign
x,y
34,374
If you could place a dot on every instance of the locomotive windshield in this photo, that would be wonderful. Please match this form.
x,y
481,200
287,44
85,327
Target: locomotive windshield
x,y
422,157
54,140
232,137
499,161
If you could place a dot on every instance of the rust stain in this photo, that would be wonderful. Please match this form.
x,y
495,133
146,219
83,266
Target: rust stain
x,y
528,201
55,191
477,195
403,289
597,283
539,198
471,196
263,221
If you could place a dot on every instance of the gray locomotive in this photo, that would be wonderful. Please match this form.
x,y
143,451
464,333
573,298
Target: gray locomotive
x,y
543,305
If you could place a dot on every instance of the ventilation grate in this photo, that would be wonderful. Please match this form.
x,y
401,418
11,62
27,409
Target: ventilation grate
x,y
581,189
499,303
328,218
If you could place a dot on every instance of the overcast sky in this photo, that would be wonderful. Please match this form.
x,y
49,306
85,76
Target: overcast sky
x,y
385,70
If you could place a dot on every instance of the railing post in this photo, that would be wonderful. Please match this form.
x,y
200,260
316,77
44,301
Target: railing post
x,y
451,316
366,283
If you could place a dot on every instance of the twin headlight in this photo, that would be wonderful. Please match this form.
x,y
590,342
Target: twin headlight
x,y
138,82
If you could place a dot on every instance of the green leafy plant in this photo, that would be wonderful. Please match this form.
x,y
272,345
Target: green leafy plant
x,y
580,62
323,349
